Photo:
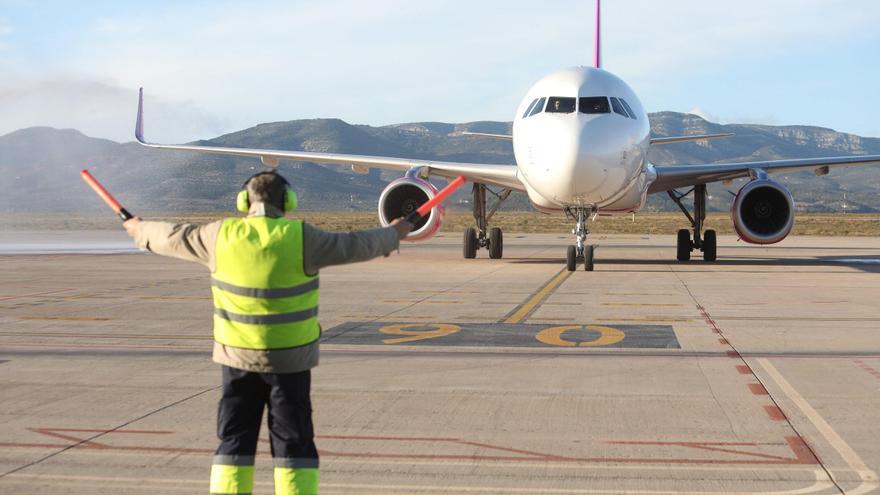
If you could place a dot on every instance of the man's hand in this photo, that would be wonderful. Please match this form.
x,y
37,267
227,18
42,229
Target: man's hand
x,y
402,226
131,226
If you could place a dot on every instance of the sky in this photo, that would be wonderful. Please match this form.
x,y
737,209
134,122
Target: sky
x,y
213,67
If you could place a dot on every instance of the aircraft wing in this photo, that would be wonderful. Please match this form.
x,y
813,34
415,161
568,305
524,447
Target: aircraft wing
x,y
483,173
683,139
673,176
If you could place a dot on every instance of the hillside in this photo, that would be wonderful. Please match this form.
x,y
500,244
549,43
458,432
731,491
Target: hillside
x,y
39,165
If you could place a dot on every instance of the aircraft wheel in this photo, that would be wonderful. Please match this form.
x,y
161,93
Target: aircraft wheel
x,y
710,245
496,243
684,245
470,243
588,258
571,258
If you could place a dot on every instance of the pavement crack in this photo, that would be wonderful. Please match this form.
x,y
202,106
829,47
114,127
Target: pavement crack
x,y
111,430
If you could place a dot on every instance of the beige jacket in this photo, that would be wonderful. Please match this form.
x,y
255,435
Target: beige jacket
x,y
193,242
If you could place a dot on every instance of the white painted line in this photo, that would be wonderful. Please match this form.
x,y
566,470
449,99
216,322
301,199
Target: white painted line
x,y
868,477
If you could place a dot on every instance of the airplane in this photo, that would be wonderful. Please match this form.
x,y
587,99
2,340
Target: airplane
x,y
580,138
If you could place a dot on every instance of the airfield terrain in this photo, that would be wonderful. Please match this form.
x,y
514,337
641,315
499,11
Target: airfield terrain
x,y
759,373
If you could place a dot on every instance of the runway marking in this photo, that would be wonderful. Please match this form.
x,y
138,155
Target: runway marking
x,y
525,309
743,369
198,484
607,336
495,335
869,477
64,318
440,330
757,389
865,366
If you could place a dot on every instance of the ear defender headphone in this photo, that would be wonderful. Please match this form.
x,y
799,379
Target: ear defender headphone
x,y
243,203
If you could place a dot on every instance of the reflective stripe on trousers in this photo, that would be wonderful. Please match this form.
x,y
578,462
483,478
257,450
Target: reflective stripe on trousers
x,y
232,474
296,481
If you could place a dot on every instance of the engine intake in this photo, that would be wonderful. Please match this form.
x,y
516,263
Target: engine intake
x,y
763,212
404,196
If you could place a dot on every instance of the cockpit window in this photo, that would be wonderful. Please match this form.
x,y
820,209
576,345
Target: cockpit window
x,y
559,104
594,104
617,107
538,107
628,109
528,110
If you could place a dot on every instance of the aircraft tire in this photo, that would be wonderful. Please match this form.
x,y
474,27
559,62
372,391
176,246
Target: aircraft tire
x,y
588,258
469,248
710,246
571,258
683,245
496,243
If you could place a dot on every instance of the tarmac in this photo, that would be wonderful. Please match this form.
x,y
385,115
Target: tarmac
x,y
757,374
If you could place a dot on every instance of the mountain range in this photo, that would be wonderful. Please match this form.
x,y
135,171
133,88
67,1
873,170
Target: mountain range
x,y
39,166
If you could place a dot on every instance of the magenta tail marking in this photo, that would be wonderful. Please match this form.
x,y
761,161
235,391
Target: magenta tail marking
x,y
598,59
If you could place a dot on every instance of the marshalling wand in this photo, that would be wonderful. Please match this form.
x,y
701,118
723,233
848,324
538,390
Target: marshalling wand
x,y
106,196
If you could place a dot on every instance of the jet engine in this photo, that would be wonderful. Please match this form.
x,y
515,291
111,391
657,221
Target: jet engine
x,y
404,196
763,212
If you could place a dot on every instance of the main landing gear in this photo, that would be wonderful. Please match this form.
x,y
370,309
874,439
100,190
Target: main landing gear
x,y
580,251
483,236
707,242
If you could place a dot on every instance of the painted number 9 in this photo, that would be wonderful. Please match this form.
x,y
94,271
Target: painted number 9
x,y
419,332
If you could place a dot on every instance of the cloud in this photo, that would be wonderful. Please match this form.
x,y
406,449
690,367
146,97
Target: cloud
x,y
100,109
699,112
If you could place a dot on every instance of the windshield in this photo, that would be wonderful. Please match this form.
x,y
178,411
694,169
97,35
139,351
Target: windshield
x,y
559,104
594,104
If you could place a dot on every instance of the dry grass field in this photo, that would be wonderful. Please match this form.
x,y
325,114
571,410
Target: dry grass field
x,y
512,222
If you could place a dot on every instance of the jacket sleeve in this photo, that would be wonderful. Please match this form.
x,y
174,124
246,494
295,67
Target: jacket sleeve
x,y
322,248
186,241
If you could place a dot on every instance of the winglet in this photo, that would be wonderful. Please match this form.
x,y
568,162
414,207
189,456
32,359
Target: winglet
x,y
139,125
598,54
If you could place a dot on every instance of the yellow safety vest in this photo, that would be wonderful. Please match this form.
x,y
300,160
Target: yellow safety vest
x,y
262,297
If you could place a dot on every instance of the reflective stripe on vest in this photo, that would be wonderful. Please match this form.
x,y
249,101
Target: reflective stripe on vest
x,y
262,297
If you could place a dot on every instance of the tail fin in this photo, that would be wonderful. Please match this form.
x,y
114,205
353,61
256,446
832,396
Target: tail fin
x,y
598,58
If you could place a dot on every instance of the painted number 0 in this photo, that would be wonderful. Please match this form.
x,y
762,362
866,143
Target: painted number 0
x,y
435,330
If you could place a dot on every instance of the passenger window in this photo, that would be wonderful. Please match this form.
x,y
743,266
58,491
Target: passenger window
x,y
594,104
532,104
628,109
618,108
558,104
538,107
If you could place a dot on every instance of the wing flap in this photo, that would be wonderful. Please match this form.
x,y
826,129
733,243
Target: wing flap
x,y
684,139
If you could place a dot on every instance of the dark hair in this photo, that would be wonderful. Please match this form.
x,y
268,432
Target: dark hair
x,y
268,187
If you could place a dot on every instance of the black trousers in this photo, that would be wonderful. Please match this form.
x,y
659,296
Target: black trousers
x,y
240,413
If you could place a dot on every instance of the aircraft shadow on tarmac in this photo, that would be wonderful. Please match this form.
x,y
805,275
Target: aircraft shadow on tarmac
x,y
865,263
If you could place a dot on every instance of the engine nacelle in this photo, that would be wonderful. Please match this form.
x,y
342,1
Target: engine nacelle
x,y
404,196
763,212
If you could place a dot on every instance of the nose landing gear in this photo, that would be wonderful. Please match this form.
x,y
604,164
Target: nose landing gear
x,y
580,251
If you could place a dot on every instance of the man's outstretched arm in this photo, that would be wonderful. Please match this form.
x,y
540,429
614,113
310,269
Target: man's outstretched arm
x,y
186,241
323,248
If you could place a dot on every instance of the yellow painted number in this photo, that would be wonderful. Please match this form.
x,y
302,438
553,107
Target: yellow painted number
x,y
607,336
419,332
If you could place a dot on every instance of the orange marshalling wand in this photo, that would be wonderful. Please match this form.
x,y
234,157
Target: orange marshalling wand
x,y
106,196
436,200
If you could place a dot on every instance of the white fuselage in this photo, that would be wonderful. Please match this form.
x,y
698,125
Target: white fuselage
x,y
585,145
